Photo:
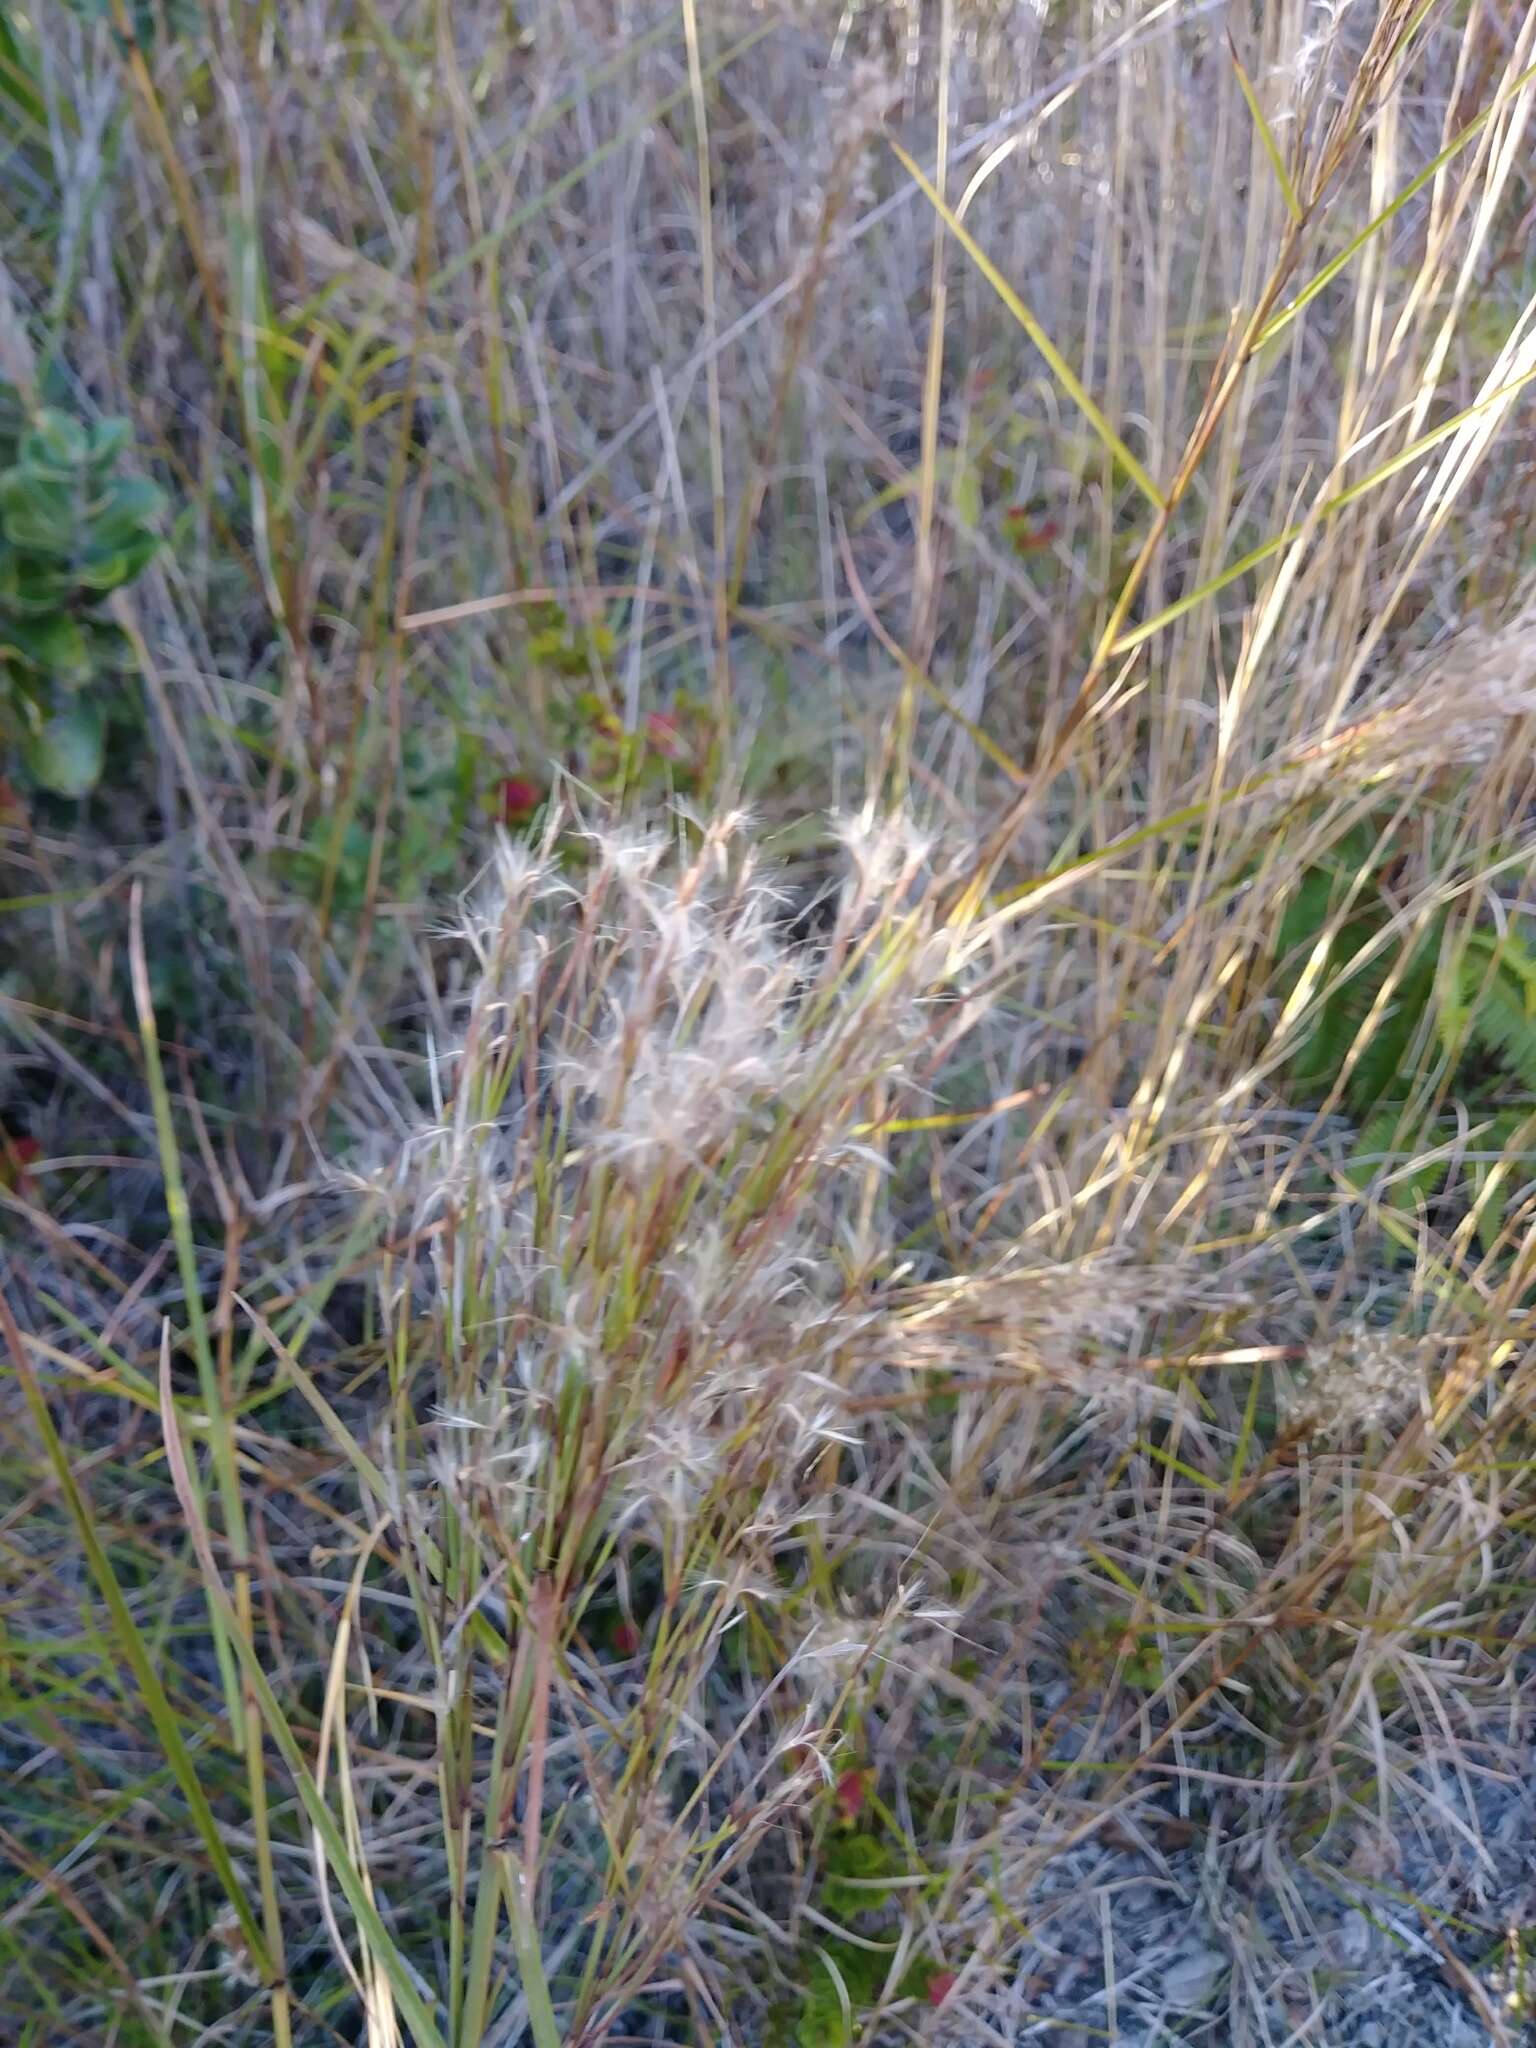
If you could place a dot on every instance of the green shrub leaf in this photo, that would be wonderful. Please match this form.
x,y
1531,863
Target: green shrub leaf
x,y
66,755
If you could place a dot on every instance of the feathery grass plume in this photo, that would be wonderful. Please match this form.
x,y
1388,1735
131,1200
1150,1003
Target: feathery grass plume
x,y
625,1324
1078,1326
1464,708
1359,1381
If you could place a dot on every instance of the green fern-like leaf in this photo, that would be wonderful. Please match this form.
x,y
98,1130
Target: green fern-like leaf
x,y
1338,1017
1349,877
1505,1143
1381,1143
1505,1026
1320,892
1417,1159
1305,916
1380,1069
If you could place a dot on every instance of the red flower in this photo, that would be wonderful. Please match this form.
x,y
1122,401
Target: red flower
x,y
520,798
849,1794
940,1985
665,734
1026,537
16,1155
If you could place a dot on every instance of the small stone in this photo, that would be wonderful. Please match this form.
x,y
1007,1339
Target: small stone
x,y
1190,1978
1134,1902
1354,1937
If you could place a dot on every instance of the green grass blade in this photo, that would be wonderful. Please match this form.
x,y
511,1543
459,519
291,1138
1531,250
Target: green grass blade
x,y
131,1644
1266,134
530,1959
401,1980
180,1215
1389,212
18,83
556,189
1062,370
1404,459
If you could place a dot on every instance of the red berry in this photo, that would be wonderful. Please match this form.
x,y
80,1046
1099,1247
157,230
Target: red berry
x,y
940,1985
665,734
626,1638
16,1155
520,798
849,1794
1025,535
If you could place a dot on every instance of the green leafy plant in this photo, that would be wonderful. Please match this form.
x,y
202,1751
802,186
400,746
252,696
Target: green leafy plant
x,y
1490,1163
567,646
1471,994
669,753
148,19
73,529
1466,997
842,1978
